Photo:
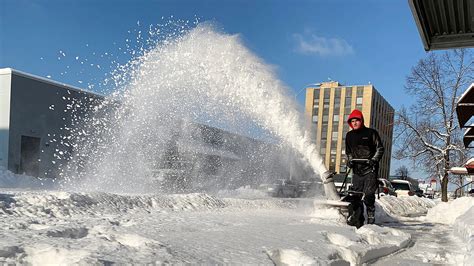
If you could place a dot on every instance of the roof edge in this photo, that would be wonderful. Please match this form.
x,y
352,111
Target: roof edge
x,y
46,80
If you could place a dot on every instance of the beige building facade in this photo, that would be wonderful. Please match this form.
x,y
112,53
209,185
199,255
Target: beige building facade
x,y
327,108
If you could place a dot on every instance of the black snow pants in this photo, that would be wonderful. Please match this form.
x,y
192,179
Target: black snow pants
x,y
367,184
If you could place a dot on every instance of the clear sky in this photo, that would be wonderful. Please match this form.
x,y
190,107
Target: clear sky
x,y
350,41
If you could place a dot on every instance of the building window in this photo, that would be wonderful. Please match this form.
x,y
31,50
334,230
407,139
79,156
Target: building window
x,y
360,91
359,100
348,91
336,118
325,118
327,92
334,136
326,103
324,133
316,94
315,118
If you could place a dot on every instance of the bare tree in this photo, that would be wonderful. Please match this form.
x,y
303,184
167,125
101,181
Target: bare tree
x,y
427,132
402,172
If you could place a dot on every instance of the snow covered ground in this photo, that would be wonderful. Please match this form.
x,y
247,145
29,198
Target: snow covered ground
x,y
44,226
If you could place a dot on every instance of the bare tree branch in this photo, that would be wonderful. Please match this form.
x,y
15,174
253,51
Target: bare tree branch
x,y
427,134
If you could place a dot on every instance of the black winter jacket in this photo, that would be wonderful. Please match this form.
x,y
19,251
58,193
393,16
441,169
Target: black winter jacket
x,y
364,143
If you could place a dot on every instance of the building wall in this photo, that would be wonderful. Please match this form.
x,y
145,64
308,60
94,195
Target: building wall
x,y
41,110
5,81
327,109
202,157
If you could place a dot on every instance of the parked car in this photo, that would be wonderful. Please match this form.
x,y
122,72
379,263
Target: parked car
x,y
429,193
386,188
285,188
403,187
306,188
419,193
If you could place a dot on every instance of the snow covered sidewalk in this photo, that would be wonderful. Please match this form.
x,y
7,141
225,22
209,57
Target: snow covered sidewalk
x,y
65,228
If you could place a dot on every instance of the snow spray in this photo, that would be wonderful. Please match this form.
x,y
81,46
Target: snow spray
x,y
200,75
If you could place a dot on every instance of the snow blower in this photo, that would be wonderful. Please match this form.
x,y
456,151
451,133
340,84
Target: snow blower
x,y
349,197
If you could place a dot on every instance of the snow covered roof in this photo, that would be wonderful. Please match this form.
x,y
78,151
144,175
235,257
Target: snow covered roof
x,y
467,168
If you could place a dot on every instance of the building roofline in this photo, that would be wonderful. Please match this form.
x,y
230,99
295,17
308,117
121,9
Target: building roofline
x,y
6,71
340,86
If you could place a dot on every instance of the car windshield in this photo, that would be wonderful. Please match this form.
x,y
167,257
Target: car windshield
x,y
400,186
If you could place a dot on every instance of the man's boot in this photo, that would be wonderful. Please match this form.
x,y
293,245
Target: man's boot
x,y
370,215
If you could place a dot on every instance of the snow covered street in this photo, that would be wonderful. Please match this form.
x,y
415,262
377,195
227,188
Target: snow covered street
x,y
40,227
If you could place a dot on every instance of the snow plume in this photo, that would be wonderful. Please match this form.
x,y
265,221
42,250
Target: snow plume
x,y
196,75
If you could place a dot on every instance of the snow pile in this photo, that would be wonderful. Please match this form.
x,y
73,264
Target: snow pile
x,y
405,206
464,228
11,180
460,214
65,204
290,257
448,212
354,247
43,254
388,209
369,243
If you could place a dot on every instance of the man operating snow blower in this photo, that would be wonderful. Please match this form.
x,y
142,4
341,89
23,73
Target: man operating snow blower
x,y
364,150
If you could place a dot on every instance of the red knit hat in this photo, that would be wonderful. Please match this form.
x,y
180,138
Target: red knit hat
x,y
355,114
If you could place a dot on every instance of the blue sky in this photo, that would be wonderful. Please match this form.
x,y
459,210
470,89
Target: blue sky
x,y
353,42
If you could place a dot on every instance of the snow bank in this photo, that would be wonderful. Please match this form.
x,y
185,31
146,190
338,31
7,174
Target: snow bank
x,y
460,214
65,204
448,212
464,228
11,180
369,243
290,257
43,254
405,206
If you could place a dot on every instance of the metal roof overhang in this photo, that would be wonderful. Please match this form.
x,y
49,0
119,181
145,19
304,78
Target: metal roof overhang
x,y
444,24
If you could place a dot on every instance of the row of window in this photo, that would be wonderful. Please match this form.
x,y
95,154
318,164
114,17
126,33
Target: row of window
x,y
336,119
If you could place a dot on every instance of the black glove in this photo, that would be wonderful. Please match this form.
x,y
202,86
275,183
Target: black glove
x,y
350,164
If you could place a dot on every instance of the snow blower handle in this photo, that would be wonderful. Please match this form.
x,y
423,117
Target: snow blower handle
x,y
360,161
